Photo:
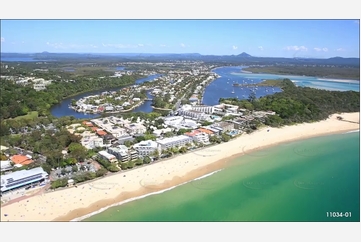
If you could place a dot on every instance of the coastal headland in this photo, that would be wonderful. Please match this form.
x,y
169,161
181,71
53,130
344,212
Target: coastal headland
x,y
77,202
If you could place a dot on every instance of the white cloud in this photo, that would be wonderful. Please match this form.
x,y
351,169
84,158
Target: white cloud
x,y
296,48
140,45
340,49
2,39
182,45
260,47
320,49
162,45
234,47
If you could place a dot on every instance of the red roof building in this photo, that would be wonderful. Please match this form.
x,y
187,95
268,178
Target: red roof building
x,y
101,132
89,124
21,160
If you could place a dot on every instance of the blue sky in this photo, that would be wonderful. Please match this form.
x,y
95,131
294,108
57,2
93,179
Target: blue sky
x,y
266,38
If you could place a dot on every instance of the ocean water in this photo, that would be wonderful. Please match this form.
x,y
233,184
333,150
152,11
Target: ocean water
x,y
223,86
293,182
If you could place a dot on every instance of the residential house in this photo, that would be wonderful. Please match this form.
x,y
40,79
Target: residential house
x,y
21,160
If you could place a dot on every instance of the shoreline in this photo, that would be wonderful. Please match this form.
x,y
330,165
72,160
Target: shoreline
x,y
90,198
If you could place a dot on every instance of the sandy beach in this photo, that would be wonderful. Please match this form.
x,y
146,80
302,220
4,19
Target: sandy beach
x,y
71,203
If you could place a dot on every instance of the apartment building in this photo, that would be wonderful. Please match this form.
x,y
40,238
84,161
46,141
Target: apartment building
x,y
198,136
105,155
146,147
135,128
179,140
203,108
121,152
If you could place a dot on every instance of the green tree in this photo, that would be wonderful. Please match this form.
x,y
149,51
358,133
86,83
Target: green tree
x,y
146,160
101,172
225,137
74,169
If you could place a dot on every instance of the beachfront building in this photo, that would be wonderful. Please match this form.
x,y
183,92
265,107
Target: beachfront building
x,y
239,123
198,136
146,147
170,142
133,155
121,152
22,178
226,126
105,155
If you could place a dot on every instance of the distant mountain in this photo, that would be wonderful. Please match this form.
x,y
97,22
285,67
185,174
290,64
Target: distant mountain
x,y
244,54
240,59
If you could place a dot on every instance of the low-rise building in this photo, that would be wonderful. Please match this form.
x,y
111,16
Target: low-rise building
x,y
146,147
239,123
133,154
203,108
225,126
179,140
121,140
22,178
6,165
91,142
21,160
198,136
135,128
105,155
121,152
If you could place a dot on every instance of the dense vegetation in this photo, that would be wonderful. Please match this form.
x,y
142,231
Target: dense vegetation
x,y
300,104
18,100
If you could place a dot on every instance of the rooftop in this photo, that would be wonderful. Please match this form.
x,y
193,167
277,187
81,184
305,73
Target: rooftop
x,y
21,159
17,175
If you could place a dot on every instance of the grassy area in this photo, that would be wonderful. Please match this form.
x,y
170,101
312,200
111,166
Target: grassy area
x,y
30,115
277,83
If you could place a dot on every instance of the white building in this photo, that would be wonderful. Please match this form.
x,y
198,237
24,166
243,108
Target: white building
x,y
204,109
6,165
92,141
175,120
135,128
180,140
146,147
121,152
39,86
107,156
198,136
193,114
22,178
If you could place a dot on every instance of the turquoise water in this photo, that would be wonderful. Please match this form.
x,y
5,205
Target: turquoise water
x,y
298,181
